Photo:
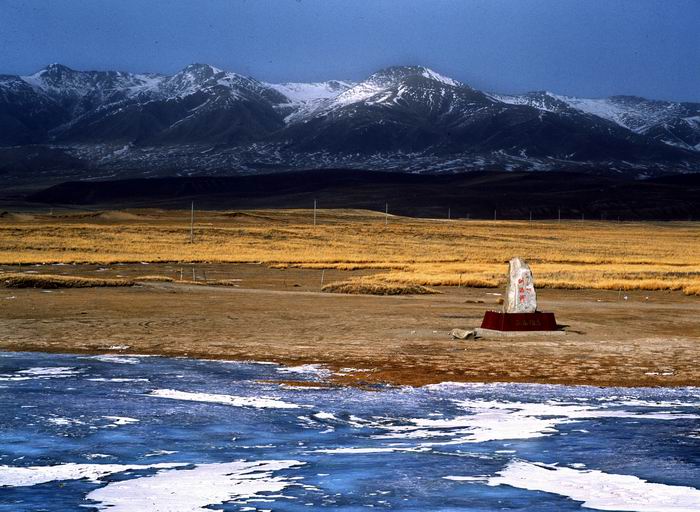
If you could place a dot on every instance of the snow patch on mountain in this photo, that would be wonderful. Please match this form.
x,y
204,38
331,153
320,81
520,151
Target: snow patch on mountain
x,y
301,93
544,100
607,109
433,75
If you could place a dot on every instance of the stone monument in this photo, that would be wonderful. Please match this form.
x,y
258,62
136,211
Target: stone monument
x,y
520,305
520,292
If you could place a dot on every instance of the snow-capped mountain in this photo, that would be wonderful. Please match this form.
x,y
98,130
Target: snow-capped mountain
x,y
416,109
81,91
676,124
201,103
203,118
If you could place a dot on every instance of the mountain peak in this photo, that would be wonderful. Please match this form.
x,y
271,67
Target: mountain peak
x,y
56,70
201,70
191,78
55,76
395,73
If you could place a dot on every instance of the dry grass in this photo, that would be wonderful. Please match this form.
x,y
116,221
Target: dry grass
x,y
215,282
154,279
692,289
205,282
50,281
573,254
371,286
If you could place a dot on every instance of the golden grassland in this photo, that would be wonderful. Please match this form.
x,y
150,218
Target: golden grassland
x,y
49,281
425,252
372,286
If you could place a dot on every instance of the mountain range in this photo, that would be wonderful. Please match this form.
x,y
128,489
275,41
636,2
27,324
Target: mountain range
x,y
203,120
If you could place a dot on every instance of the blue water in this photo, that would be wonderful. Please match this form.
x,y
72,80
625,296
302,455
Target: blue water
x,y
50,417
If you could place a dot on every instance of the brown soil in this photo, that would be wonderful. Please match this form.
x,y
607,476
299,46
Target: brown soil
x,y
651,339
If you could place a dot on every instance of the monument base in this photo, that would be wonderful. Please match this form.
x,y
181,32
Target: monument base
x,y
536,321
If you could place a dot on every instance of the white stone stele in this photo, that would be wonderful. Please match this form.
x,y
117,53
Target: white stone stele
x,y
520,292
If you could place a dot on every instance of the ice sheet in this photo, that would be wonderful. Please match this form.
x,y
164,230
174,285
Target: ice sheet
x,y
598,490
235,401
193,490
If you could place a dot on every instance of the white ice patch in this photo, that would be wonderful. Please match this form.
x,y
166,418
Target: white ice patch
x,y
117,379
598,490
13,476
65,422
457,478
299,388
232,400
346,371
315,370
494,421
159,453
53,372
117,421
324,416
382,449
194,490
109,358
663,404
568,410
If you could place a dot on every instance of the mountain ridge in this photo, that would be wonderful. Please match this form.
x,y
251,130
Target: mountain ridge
x,y
121,120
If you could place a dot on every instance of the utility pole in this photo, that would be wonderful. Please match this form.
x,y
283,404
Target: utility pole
x,y
192,224
530,216
559,215
494,214
314,212
449,214
386,214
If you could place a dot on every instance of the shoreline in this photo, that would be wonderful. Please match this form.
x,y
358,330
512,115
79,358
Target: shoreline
x,y
333,382
650,340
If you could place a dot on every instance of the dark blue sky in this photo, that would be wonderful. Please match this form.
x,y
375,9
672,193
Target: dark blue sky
x,y
579,47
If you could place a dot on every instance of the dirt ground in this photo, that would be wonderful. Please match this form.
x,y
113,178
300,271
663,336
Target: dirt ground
x,y
649,339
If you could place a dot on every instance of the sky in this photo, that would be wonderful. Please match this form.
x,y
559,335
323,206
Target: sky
x,y
590,48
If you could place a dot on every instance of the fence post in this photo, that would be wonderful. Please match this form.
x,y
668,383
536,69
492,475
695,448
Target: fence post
x,y
192,224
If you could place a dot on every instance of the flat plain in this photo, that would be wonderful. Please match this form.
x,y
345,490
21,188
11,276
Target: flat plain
x,y
626,292
433,252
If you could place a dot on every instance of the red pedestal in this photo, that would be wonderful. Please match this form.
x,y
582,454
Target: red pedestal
x,y
519,321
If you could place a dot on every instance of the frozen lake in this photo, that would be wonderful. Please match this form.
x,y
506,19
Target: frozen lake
x,y
124,433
